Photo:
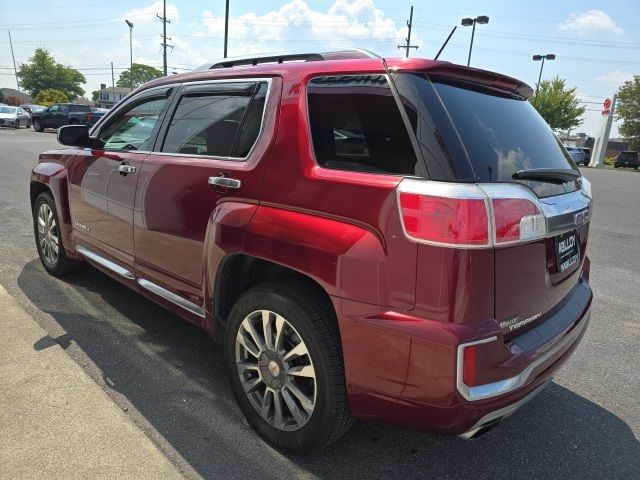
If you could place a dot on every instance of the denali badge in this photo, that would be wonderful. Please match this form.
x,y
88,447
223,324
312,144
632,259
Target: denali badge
x,y
514,323
581,217
82,226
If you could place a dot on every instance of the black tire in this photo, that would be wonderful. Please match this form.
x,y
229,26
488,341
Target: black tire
x,y
308,311
37,126
61,265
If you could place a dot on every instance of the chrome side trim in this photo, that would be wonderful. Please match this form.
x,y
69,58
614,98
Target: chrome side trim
x,y
171,297
502,412
489,390
108,264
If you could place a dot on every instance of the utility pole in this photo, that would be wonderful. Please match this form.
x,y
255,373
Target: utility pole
x,y
164,35
113,85
408,45
14,67
226,28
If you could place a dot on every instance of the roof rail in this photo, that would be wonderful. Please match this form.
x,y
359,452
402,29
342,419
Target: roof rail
x,y
288,57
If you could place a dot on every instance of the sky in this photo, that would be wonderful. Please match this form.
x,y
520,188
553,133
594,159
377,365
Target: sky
x,y
597,43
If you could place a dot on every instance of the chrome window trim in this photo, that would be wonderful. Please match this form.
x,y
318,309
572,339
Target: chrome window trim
x,y
171,297
108,264
267,80
490,390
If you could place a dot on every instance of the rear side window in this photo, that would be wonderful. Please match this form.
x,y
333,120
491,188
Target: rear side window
x,y
356,125
219,125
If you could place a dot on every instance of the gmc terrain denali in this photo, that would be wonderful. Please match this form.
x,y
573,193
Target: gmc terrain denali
x,y
395,240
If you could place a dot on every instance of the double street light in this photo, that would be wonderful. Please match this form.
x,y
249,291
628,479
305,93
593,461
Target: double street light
x,y
537,58
130,54
467,22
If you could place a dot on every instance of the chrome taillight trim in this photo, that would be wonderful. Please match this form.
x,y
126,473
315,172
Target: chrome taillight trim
x,y
560,212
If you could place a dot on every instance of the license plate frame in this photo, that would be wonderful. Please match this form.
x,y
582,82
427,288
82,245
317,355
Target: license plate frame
x,y
567,250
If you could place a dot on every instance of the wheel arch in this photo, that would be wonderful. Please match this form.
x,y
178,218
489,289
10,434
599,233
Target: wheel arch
x,y
52,177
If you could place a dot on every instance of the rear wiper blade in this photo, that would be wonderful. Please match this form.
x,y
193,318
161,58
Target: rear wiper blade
x,y
551,175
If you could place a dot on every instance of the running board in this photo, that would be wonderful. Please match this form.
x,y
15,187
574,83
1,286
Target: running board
x,y
171,297
146,284
108,264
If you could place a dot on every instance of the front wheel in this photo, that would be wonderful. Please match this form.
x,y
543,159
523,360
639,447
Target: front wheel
x,y
46,228
37,126
285,364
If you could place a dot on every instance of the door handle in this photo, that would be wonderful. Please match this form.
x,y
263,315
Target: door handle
x,y
224,182
126,169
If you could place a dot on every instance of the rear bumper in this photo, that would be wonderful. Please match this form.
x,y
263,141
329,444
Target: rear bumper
x,y
403,369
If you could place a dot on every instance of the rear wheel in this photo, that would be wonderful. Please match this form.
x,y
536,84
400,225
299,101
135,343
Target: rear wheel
x,y
37,126
46,229
285,364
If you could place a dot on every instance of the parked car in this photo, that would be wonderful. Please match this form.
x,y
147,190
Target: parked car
x,y
576,154
32,108
57,115
399,240
627,159
587,155
91,118
14,117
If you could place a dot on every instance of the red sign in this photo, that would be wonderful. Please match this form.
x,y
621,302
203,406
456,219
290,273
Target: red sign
x,y
606,106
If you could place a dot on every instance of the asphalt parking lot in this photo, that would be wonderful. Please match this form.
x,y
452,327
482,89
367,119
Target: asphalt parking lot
x,y
169,378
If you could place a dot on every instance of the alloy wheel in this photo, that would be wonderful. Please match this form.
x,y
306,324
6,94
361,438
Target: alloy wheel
x,y
48,234
276,370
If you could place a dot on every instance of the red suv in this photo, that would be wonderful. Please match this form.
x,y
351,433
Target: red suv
x,y
386,239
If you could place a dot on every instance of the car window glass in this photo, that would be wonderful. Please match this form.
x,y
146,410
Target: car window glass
x,y
205,125
64,109
132,128
250,128
356,125
54,108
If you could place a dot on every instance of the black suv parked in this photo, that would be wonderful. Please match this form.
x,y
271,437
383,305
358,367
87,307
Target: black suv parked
x,y
59,114
627,159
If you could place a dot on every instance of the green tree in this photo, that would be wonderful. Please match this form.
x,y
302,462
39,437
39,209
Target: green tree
x,y
43,72
558,105
49,96
141,74
628,110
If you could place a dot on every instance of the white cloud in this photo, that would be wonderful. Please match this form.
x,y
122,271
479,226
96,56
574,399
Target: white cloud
x,y
356,23
590,21
616,77
144,14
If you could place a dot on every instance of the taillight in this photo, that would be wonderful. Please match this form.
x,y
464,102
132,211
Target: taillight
x,y
456,221
517,219
469,365
468,215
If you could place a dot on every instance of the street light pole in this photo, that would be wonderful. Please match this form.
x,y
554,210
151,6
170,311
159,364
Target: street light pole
x,y
471,22
130,54
537,58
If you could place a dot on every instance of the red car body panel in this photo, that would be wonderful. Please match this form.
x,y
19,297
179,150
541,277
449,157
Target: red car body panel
x,y
403,308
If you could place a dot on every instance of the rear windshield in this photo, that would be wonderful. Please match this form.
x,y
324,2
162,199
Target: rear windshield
x,y
494,133
628,154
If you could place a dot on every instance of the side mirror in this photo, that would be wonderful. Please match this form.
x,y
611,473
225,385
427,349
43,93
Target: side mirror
x,y
74,135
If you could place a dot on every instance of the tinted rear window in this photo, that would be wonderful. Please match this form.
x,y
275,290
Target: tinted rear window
x,y
500,133
356,125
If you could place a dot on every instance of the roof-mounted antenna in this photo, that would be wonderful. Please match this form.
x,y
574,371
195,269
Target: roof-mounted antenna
x,y
445,43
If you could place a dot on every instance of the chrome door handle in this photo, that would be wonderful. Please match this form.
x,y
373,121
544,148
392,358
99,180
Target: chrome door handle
x,y
225,182
125,169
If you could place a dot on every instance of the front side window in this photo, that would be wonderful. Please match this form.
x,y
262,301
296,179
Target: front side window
x,y
132,128
356,125
216,124
54,108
